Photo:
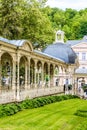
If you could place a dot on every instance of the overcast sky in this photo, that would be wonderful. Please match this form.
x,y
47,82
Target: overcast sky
x,y
63,4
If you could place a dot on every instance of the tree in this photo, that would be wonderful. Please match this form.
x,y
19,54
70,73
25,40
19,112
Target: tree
x,y
59,18
79,25
36,26
10,17
67,31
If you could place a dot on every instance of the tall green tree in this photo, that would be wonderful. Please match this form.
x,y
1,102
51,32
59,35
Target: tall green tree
x,y
79,25
10,18
36,25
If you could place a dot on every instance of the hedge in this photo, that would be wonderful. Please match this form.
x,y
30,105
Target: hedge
x,y
12,108
81,113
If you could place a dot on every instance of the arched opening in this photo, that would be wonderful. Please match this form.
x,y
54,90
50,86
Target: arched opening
x,y
57,78
32,73
46,76
64,79
51,75
38,74
23,68
6,71
80,84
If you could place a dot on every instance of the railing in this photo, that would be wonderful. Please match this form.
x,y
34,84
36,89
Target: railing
x,y
7,96
37,92
11,96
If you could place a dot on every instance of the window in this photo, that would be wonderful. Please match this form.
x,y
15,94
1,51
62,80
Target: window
x,y
83,56
77,54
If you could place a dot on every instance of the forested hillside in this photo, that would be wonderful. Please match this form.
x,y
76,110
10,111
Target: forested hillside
x,y
33,20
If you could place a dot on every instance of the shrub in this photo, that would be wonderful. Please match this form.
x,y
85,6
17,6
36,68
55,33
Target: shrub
x,y
84,87
82,113
10,109
41,101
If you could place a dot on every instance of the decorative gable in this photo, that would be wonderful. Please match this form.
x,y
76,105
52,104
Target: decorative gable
x,y
80,46
27,46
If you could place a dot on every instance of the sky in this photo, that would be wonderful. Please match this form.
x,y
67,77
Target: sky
x,y
63,4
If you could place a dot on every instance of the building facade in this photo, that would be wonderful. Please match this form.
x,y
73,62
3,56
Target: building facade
x,y
80,48
28,73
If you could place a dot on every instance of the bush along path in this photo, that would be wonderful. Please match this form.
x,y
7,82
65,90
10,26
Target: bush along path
x,y
12,108
81,113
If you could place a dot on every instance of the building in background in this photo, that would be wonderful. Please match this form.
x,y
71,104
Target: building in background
x,y
80,48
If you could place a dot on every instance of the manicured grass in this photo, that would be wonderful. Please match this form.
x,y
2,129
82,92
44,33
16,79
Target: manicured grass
x,y
56,116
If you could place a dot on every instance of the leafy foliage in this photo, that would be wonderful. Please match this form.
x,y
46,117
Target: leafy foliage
x,y
33,20
10,16
84,87
10,109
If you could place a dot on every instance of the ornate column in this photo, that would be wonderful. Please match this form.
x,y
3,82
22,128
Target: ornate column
x,y
35,67
26,75
49,74
0,72
76,85
66,81
18,87
60,78
42,74
53,75
14,78
73,85
0,69
61,74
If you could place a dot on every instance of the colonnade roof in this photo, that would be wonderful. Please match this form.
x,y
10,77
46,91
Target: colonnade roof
x,y
13,42
61,51
57,51
19,43
44,54
75,42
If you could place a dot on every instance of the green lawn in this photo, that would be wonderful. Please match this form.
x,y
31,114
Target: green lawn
x,y
56,116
